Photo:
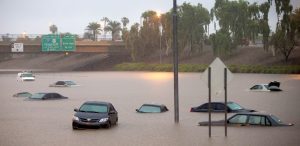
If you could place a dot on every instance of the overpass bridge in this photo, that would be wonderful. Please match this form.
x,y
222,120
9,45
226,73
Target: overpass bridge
x,y
105,47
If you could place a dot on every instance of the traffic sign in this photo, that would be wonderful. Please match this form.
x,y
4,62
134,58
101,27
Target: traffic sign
x,y
217,76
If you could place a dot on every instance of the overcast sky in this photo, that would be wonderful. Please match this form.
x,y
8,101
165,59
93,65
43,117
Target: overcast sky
x,y
35,16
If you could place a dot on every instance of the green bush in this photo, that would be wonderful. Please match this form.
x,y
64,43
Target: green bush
x,y
295,69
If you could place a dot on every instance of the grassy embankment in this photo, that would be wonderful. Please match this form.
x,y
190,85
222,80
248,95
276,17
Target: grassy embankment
x,y
289,69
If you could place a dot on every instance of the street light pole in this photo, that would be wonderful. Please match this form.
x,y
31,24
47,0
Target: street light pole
x,y
160,36
175,62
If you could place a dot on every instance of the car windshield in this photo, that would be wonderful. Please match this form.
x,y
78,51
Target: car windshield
x,y
26,75
150,109
70,83
37,95
234,106
95,108
276,119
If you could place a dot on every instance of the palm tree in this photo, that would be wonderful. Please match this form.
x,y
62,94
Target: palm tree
x,y
105,19
95,28
124,21
114,27
53,28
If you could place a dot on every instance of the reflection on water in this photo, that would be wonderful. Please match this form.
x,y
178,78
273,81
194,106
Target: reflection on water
x,y
294,77
157,76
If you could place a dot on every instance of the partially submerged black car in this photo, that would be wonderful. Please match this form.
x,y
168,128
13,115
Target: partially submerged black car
x,y
232,107
152,108
249,119
66,83
95,114
46,96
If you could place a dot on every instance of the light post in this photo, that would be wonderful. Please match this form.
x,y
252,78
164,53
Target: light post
x,y
160,36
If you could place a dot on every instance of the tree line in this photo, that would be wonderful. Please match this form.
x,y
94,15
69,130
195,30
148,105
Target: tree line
x,y
240,23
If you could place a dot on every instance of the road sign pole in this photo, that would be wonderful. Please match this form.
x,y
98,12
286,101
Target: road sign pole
x,y
209,101
225,88
175,61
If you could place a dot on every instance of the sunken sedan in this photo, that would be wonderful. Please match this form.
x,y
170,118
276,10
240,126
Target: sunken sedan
x,y
232,107
249,119
95,114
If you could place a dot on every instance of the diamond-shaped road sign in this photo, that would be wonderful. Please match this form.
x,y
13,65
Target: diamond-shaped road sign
x,y
217,77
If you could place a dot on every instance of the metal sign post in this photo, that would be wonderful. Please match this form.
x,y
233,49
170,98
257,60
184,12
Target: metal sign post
x,y
209,101
175,62
225,89
217,76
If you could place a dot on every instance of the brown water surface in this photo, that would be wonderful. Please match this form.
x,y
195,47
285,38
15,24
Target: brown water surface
x,y
37,123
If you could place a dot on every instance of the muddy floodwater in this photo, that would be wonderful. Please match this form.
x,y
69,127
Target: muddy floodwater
x,y
43,123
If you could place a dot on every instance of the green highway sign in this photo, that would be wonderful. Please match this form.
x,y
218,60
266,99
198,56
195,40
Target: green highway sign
x,y
50,42
68,43
56,43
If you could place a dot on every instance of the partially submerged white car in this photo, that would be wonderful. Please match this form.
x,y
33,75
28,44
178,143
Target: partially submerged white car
x,y
25,76
272,86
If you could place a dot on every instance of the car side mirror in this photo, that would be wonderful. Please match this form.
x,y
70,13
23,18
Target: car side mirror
x,y
112,112
137,110
76,110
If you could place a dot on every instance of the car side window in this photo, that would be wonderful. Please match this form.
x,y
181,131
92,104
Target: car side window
x,y
268,123
238,119
255,120
220,107
47,96
259,120
60,83
55,95
256,87
205,106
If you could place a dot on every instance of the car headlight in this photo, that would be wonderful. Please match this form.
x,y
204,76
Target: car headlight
x,y
75,118
103,120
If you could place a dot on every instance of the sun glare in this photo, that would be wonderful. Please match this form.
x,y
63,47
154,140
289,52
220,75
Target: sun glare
x,y
157,76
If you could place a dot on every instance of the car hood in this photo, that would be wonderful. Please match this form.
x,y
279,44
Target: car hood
x,y
87,115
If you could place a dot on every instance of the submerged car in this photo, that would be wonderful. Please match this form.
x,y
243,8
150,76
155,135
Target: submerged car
x,y
25,76
22,94
95,114
249,119
152,108
65,83
272,86
46,96
232,107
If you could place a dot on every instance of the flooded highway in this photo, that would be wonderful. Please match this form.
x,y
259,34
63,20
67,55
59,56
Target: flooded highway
x,y
49,123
